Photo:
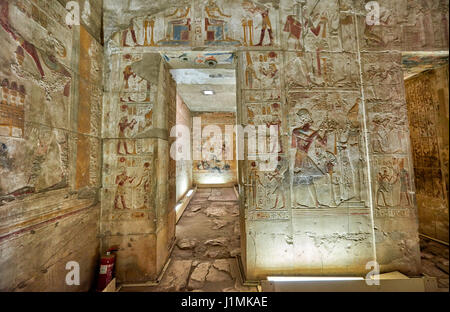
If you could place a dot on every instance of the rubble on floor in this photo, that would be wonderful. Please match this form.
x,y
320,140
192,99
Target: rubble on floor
x,y
208,240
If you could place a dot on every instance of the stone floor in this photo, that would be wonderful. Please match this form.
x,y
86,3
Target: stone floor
x,y
208,239
435,261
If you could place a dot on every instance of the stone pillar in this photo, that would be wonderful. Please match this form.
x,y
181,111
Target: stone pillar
x,y
138,195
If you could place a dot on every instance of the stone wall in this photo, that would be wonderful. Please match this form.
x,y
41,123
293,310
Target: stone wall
x,y
184,167
212,171
427,99
343,191
50,146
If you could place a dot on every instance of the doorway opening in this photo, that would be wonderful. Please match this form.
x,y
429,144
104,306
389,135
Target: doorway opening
x,y
208,223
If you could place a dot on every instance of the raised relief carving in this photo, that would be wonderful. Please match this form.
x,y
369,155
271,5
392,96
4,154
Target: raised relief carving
x,y
326,153
321,70
393,183
262,70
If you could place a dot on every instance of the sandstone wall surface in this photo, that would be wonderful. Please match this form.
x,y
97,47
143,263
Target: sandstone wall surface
x,y
50,145
184,167
427,99
216,168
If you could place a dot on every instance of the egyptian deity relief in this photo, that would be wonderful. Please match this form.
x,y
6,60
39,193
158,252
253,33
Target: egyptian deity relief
x,y
327,160
211,23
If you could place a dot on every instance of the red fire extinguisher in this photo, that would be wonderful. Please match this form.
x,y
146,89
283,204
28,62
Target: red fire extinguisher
x,y
105,275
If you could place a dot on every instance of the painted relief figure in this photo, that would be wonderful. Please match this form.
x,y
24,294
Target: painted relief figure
x,y
302,24
124,124
129,32
144,188
26,46
294,28
266,25
262,70
213,163
385,185
44,167
217,25
178,27
403,176
270,72
269,189
393,183
250,73
349,154
306,171
121,180
268,114
388,134
58,78
135,88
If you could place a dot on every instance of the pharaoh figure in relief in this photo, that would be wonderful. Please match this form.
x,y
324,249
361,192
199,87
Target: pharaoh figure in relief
x,y
393,185
134,89
266,25
312,25
217,25
144,188
349,151
327,166
270,191
306,171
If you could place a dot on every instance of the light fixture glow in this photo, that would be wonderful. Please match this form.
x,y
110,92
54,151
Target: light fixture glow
x,y
311,278
208,92
210,179
189,193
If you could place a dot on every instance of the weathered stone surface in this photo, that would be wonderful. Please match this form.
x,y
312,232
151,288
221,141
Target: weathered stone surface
x,y
430,148
176,276
222,265
220,241
199,199
190,214
225,194
215,275
429,268
235,252
217,253
237,228
50,147
183,167
186,243
443,266
216,211
195,208
198,276
218,224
